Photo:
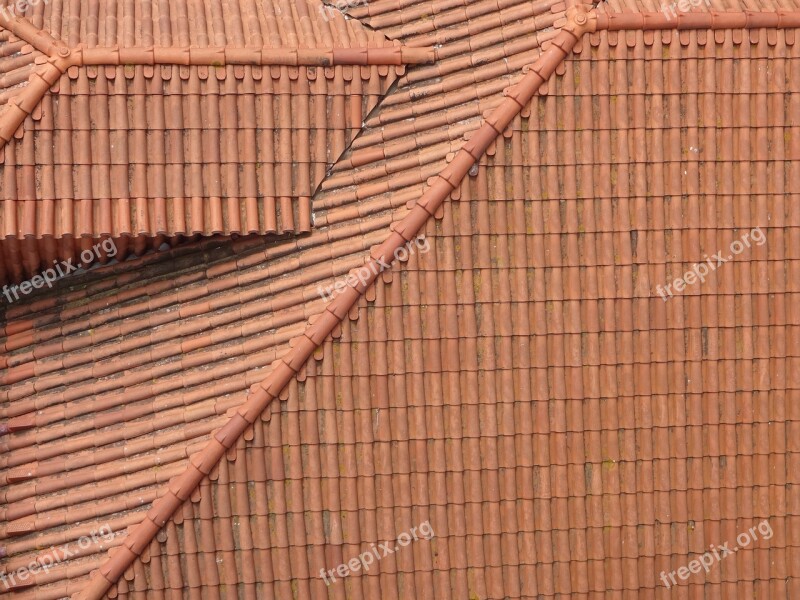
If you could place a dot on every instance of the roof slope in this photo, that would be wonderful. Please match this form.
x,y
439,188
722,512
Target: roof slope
x,y
158,345
198,300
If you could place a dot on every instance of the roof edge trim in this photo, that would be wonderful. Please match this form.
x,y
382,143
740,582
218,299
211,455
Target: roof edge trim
x,y
219,56
29,33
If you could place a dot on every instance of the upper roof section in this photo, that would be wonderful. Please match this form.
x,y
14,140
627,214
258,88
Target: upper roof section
x,y
150,118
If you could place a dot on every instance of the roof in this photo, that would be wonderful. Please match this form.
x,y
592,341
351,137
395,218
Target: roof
x,y
521,386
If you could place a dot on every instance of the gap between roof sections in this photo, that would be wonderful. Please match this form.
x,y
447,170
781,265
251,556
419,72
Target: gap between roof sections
x,y
329,5
326,5
392,89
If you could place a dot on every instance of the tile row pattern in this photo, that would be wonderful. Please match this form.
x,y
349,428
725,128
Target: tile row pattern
x,y
143,152
367,213
109,386
15,66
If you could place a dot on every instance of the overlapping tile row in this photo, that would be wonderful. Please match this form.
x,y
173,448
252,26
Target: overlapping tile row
x,y
17,57
138,152
522,386
410,18
695,118
408,138
435,19
219,152
16,65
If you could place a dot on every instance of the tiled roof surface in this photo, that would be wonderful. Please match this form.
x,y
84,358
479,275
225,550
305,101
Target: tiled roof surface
x,y
181,149
521,386
181,346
